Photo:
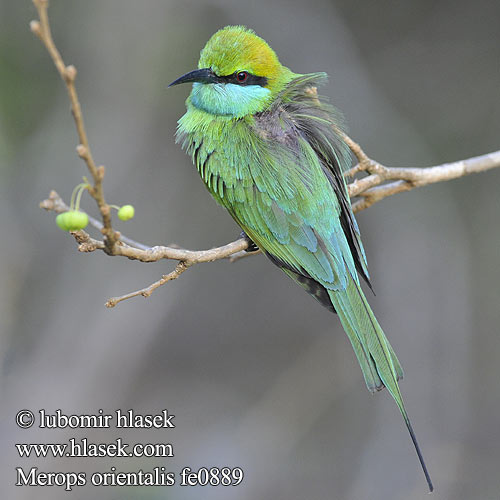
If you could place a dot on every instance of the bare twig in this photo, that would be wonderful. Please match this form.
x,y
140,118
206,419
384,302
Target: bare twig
x,y
369,189
41,29
134,250
146,292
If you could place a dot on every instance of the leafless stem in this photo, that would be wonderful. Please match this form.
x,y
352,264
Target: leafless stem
x,y
41,28
372,188
146,292
380,183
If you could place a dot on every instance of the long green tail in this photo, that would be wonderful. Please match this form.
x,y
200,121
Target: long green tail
x,y
378,361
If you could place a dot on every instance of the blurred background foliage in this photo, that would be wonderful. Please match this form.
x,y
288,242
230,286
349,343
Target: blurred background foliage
x,y
258,375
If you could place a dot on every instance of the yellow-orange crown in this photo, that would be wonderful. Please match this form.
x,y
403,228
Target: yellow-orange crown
x,y
237,48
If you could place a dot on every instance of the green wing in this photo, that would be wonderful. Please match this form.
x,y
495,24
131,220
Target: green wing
x,y
282,182
280,177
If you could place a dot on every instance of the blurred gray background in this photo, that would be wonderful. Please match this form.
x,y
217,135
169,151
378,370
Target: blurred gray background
x,y
257,373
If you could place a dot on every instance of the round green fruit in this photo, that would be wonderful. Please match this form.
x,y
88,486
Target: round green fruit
x,y
74,220
126,212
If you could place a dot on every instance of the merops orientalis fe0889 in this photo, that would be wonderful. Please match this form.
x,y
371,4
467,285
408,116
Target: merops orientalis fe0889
x,y
269,151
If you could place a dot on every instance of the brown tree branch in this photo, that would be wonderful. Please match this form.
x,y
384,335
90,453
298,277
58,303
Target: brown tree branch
x,y
146,292
41,28
369,189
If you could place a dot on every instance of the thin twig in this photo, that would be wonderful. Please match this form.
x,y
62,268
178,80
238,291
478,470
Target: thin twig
x,y
41,28
372,189
146,292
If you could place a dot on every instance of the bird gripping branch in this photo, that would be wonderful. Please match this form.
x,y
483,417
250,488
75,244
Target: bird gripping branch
x,y
270,152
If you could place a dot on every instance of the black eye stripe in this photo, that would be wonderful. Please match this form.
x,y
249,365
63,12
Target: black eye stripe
x,y
250,80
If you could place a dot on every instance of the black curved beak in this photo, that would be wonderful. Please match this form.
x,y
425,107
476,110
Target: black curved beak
x,y
205,75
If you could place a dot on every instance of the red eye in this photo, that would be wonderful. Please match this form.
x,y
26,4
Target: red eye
x,y
242,76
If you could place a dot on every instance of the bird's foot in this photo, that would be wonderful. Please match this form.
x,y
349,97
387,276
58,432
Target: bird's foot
x,y
252,247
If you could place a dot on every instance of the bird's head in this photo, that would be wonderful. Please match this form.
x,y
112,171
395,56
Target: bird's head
x,y
239,74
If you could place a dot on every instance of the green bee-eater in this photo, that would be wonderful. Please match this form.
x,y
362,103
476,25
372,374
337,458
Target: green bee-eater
x,y
269,151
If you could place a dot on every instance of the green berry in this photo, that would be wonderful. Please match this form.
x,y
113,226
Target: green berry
x,y
126,212
61,221
74,220
78,220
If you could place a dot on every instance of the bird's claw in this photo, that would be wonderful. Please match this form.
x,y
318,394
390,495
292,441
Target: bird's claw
x,y
252,247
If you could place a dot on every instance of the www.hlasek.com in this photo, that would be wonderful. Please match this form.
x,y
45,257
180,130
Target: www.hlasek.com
x,y
82,448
